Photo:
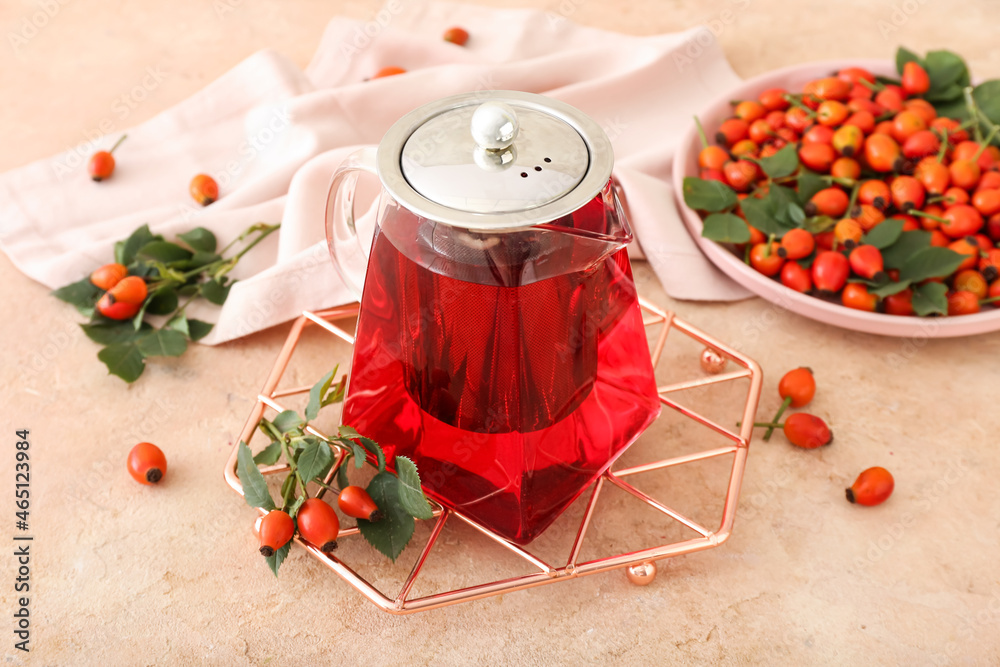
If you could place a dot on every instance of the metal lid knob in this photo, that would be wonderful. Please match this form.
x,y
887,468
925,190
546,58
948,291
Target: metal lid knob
x,y
494,125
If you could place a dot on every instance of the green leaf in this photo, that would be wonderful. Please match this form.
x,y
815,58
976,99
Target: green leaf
x,y
215,291
809,183
903,56
162,343
949,93
889,289
139,238
149,302
908,243
987,97
359,453
199,260
316,395
726,228
411,496
783,198
254,487
199,238
375,449
930,298
931,262
198,329
275,560
179,323
269,455
83,294
884,234
342,480
796,214
819,223
163,301
346,431
124,360
120,252
288,420
391,534
946,71
955,109
108,332
760,214
336,393
781,164
710,196
164,251
315,459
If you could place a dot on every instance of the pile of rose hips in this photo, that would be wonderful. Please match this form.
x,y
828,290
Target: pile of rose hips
x,y
884,154
317,521
797,388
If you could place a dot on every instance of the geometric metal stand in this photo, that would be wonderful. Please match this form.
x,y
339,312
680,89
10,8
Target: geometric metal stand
x,y
640,565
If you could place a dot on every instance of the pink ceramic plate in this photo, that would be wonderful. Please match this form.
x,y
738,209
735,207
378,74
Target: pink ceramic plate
x,y
686,164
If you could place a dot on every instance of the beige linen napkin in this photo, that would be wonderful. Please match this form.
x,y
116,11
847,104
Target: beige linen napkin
x,y
272,135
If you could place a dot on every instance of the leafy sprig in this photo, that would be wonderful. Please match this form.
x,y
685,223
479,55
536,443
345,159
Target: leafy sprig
x,y
186,270
310,459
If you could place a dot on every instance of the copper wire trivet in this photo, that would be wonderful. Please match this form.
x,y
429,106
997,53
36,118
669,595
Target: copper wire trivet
x,y
402,603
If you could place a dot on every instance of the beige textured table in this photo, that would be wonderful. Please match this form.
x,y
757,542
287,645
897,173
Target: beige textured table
x,y
123,574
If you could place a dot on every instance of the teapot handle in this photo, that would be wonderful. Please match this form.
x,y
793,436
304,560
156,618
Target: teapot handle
x,y
347,249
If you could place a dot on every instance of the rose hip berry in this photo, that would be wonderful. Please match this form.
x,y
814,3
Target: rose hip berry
x,y
456,35
798,387
830,270
108,276
276,530
355,502
318,524
388,71
124,299
204,189
807,431
102,163
146,463
872,487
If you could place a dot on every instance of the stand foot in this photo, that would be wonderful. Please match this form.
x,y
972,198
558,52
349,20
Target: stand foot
x,y
641,574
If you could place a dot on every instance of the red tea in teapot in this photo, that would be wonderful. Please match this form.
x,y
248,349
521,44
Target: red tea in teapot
x,y
512,368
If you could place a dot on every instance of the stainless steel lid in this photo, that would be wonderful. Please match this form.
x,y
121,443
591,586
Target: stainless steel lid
x,y
493,161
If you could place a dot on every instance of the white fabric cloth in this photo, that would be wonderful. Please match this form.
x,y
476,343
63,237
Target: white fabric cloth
x,y
272,134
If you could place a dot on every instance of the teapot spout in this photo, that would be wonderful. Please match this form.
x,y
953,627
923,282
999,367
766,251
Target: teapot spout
x,y
600,225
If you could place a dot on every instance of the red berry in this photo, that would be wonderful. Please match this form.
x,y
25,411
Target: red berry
x,y
318,524
146,463
856,296
796,244
829,271
276,529
915,80
204,189
388,71
794,276
872,487
798,385
102,163
456,35
355,501
807,431
108,276
766,260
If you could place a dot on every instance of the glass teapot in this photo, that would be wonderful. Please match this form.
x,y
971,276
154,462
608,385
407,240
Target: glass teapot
x,y
499,344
